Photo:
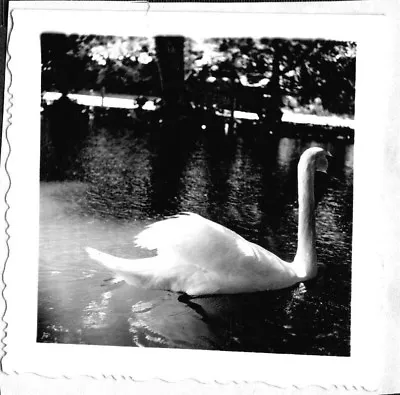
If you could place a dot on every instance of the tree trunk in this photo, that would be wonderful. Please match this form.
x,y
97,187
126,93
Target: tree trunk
x,y
171,65
274,86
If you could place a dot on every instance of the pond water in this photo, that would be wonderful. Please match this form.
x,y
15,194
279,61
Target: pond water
x,y
115,180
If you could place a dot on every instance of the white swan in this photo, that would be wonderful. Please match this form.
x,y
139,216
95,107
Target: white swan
x,y
200,257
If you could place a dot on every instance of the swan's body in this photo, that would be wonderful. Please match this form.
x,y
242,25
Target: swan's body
x,y
199,257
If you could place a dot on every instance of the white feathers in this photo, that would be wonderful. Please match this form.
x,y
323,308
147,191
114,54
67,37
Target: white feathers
x,y
198,256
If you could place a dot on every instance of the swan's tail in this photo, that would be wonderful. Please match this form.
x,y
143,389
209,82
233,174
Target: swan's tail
x,y
134,271
109,261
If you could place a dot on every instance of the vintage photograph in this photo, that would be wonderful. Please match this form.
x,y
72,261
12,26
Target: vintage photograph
x,y
196,193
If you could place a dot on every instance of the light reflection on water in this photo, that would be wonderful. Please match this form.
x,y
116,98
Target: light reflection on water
x,y
126,181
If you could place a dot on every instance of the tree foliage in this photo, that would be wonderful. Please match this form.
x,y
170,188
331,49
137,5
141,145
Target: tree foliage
x,y
308,69
305,71
115,64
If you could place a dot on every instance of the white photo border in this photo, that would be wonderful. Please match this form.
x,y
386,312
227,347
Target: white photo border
x,y
23,354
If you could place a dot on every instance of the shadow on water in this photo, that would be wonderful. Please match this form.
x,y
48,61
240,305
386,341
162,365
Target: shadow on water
x,y
113,178
276,321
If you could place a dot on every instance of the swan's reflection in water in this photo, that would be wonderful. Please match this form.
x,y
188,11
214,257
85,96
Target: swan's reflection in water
x,y
248,186
280,321
169,323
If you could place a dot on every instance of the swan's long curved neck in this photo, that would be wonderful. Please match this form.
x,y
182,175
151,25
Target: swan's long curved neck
x,y
306,258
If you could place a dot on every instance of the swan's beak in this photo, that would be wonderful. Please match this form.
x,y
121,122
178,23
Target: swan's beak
x,y
329,158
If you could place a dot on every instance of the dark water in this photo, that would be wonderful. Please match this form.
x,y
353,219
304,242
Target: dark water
x,y
118,179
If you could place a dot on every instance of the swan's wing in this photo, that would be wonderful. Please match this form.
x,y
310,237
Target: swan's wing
x,y
205,257
200,257
191,239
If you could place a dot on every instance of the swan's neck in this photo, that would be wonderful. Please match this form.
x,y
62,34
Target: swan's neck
x,y
306,259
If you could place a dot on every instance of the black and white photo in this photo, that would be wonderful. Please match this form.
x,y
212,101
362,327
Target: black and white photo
x,y
190,149
191,203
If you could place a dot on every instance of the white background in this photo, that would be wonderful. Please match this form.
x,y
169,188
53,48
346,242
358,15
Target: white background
x,y
376,223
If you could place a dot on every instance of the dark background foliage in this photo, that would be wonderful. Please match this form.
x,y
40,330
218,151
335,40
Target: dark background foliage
x,y
312,75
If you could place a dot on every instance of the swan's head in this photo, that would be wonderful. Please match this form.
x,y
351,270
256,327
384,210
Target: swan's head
x,y
316,157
